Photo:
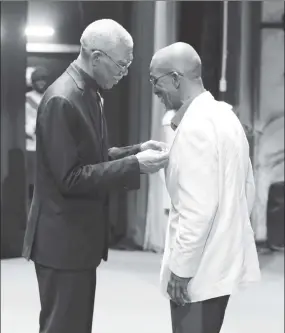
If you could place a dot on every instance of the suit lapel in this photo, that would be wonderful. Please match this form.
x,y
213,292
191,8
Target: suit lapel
x,y
94,116
105,144
94,112
103,128
172,166
174,139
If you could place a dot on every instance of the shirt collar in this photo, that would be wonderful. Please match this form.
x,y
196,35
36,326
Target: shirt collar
x,y
83,79
176,120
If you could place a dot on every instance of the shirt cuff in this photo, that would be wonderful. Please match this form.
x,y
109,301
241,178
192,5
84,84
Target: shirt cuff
x,y
183,266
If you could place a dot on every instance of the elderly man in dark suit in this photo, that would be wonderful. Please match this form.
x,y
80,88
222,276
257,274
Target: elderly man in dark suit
x,y
67,231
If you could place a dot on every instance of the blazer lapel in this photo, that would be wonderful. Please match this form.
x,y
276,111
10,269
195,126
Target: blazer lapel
x,y
93,113
174,139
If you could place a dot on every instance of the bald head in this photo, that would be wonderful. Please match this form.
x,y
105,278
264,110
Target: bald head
x,y
175,73
105,35
179,57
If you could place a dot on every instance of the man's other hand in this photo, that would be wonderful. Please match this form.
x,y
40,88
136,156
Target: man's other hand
x,y
154,145
151,161
177,289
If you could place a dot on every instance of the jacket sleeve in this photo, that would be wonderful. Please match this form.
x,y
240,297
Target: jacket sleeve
x,y
198,198
116,153
57,125
250,188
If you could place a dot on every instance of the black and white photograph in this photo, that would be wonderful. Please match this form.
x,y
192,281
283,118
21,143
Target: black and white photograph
x,y
142,166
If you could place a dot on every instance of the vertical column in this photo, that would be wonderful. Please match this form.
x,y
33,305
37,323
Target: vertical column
x,y
211,44
140,110
233,52
164,34
13,185
246,76
269,122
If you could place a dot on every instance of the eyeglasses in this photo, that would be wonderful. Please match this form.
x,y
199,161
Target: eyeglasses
x,y
154,80
123,68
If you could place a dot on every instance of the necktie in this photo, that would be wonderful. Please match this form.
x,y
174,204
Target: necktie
x,y
103,127
101,103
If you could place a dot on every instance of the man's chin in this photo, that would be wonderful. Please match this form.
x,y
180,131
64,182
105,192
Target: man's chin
x,y
110,85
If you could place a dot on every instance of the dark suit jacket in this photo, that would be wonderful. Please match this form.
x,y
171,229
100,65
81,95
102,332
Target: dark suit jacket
x,y
67,225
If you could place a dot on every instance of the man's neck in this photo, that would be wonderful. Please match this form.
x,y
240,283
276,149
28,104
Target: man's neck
x,y
81,64
194,93
91,81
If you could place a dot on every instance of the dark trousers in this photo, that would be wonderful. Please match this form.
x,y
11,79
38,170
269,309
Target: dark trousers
x,y
201,317
67,300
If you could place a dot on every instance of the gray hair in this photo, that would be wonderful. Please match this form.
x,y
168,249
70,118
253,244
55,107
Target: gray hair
x,y
105,35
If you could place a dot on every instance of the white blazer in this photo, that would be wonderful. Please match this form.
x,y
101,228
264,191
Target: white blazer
x,y
210,182
167,137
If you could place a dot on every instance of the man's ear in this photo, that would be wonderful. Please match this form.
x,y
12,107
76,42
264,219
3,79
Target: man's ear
x,y
95,56
176,80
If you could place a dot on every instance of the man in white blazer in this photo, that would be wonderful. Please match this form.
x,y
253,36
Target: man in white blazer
x,y
210,250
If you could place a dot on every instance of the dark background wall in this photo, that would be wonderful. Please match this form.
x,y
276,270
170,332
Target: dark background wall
x,y
13,187
200,25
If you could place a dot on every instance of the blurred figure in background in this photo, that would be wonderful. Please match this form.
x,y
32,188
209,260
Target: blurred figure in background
x,y
210,249
39,81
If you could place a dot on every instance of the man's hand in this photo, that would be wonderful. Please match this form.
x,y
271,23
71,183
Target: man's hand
x,y
154,145
151,161
177,289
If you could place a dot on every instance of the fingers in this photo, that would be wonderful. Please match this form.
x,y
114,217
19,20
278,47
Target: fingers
x,y
152,161
157,145
156,153
178,294
160,156
185,296
163,154
162,159
163,164
162,146
159,165
170,290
